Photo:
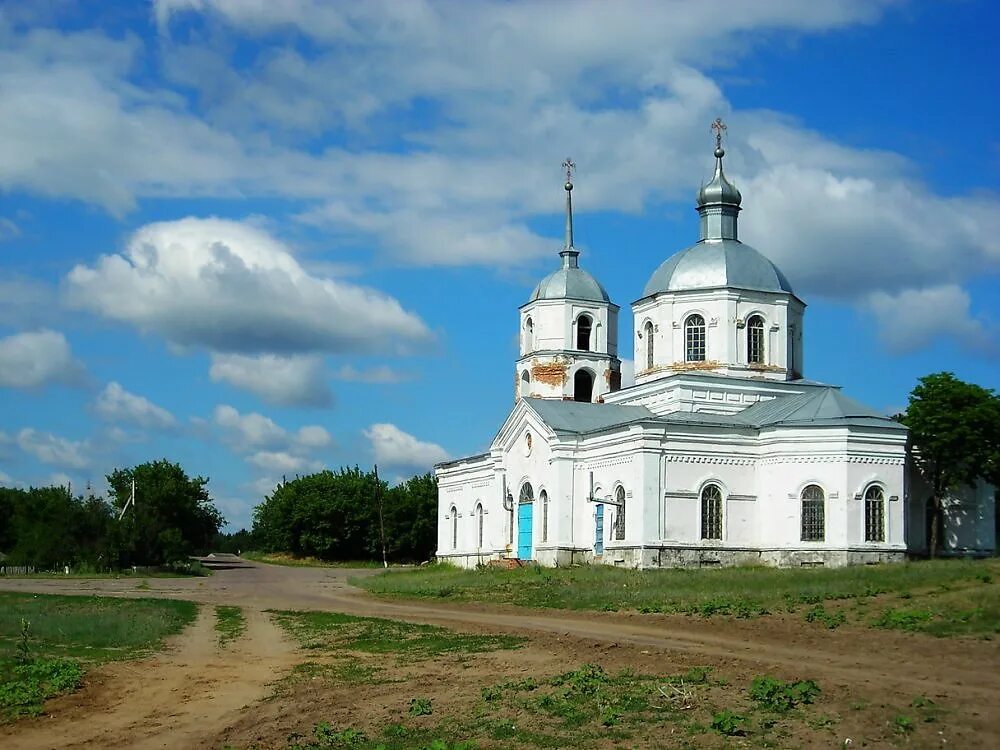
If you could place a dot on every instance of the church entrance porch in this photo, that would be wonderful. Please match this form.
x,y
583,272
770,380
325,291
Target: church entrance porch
x,y
524,530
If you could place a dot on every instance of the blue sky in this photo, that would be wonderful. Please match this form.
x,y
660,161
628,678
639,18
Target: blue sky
x,y
263,238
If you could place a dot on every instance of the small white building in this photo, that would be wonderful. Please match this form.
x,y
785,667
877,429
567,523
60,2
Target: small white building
x,y
721,452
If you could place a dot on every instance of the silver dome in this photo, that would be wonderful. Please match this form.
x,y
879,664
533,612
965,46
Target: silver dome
x,y
570,283
717,263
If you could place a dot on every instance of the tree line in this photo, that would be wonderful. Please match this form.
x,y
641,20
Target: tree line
x,y
348,515
48,527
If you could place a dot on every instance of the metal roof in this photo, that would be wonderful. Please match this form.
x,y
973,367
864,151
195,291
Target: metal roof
x,y
823,405
717,263
579,416
570,283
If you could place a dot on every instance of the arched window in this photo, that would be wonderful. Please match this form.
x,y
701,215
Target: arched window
x,y
647,331
529,336
479,526
874,514
813,514
755,340
510,518
583,386
583,326
525,383
694,339
711,512
620,513
454,527
544,497
527,494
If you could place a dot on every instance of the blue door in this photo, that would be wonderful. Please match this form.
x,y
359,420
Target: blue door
x,y
599,529
524,530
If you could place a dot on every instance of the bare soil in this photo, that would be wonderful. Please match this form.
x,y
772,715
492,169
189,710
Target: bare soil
x,y
197,694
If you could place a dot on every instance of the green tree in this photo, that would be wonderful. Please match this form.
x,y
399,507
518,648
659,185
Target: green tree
x,y
173,515
955,435
411,519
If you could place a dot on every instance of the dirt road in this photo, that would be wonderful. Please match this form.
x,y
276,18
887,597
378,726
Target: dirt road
x,y
205,688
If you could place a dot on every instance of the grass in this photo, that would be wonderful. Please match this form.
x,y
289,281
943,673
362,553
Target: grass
x,y
962,587
583,707
332,631
229,624
284,558
46,641
194,569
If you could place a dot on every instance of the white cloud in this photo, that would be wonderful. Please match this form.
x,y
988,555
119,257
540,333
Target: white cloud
x,y
8,229
115,404
394,448
282,461
249,430
52,449
230,287
915,317
378,374
59,479
297,380
313,436
30,360
5,480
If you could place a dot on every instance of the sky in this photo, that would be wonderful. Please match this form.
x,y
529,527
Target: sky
x,y
261,239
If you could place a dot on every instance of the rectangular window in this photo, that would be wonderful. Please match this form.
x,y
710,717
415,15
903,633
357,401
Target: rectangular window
x,y
874,520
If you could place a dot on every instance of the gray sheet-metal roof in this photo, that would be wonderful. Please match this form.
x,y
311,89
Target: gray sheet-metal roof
x,y
822,405
576,416
819,406
570,283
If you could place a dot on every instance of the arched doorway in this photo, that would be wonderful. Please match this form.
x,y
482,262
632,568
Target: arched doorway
x,y
583,386
525,518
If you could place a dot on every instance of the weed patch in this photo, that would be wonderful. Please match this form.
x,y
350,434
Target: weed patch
x,y
334,631
778,695
229,624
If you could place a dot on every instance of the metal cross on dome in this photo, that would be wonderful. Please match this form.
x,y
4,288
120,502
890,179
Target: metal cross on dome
x,y
719,127
569,165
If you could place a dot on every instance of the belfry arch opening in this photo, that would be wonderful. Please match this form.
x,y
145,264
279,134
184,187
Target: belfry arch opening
x,y
583,329
583,386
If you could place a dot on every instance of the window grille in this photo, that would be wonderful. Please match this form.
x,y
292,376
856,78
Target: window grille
x,y
813,514
694,338
544,497
711,512
620,514
649,345
479,526
454,527
510,518
527,494
583,326
874,514
755,340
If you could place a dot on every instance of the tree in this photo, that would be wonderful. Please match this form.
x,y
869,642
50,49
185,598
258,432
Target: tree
x,y
955,435
173,515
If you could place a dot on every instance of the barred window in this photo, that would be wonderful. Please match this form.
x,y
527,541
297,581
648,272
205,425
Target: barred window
x,y
620,514
694,338
874,514
454,527
648,333
711,512
755,340
479,526
813,514
510,518
544,497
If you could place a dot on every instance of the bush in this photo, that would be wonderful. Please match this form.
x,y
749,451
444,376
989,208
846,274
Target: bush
x,y
729,723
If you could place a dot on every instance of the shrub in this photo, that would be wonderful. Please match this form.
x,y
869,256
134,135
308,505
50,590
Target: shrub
x,y
779,695
729,723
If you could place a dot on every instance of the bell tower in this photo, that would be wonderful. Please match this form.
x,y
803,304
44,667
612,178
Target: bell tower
x,y
568,330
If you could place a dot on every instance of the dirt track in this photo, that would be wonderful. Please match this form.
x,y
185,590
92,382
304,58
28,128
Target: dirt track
x,y
206,689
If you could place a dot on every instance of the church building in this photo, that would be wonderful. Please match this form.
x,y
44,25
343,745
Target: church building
x,y
721,452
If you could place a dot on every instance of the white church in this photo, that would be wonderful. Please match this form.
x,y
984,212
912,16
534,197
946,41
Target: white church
x,y
721,453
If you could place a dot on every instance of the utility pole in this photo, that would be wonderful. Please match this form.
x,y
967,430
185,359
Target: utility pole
x,y
381,518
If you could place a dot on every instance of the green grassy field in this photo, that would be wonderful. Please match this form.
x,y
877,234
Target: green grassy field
x,y
46,641
941,597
